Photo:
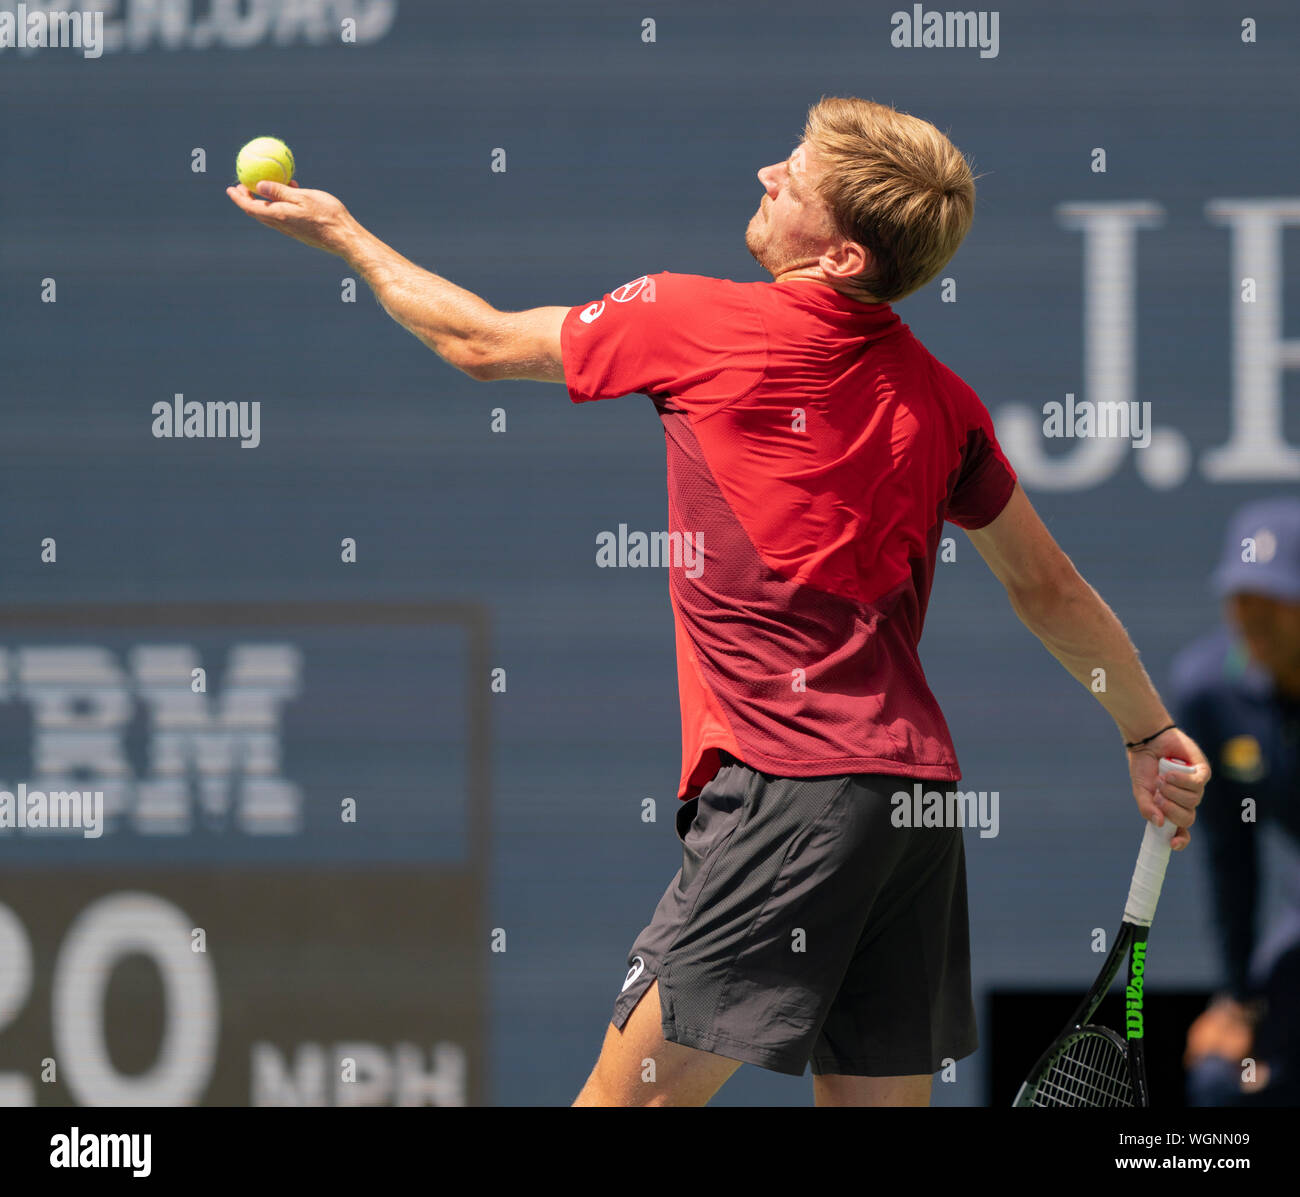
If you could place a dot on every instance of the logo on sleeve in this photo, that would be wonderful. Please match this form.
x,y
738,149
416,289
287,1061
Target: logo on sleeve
x,y
591,311
629,291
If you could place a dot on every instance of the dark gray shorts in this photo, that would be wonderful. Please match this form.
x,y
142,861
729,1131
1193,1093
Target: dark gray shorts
x,y
805,927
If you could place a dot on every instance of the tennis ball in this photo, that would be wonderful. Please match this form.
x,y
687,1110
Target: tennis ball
x,y
264,158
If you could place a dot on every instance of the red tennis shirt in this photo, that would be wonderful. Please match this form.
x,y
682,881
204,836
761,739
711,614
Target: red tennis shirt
x,y
815,449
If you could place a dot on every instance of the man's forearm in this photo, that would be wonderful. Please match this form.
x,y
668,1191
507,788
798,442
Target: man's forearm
x,y
1082,632
451,321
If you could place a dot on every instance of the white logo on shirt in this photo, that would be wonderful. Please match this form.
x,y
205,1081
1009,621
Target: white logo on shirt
x,y
589,313
629,291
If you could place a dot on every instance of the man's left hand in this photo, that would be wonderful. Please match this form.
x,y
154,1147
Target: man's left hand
x,y
315,218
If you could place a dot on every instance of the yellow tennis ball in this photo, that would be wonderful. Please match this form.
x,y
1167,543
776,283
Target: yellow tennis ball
x,y
264,158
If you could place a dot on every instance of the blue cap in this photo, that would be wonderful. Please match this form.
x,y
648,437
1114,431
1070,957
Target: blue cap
x,y
1262,551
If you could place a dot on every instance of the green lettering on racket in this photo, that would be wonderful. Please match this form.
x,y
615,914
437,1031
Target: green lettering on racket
x,y
1133,992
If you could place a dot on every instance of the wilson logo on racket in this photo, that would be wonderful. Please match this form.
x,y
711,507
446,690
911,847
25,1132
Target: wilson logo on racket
x,y
1133,992
1088,1064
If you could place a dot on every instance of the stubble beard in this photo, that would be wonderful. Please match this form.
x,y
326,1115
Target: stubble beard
x,y
776,258
758,242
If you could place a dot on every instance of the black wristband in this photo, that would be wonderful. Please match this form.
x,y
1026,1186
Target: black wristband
x,y
1153,736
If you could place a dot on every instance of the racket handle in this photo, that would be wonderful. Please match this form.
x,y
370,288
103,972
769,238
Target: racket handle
x,y
1152,861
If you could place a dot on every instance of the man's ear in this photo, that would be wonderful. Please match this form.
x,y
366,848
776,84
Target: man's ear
x,y
847,260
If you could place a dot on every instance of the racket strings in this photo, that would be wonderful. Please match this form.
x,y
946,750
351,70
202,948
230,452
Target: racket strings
x,y
1092,1071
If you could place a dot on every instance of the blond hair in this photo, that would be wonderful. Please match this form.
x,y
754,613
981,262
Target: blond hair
x,y
896,186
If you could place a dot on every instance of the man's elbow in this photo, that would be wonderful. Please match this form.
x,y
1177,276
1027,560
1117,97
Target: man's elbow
x,y
479,371
472,360
1047,592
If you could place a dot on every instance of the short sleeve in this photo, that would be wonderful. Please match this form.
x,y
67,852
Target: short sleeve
x,y
700,340
985,478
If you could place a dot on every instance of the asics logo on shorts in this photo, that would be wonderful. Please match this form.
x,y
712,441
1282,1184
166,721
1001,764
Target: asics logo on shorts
x,y
633,972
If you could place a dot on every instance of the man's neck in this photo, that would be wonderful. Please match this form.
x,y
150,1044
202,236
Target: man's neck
x,y
810,274
813,274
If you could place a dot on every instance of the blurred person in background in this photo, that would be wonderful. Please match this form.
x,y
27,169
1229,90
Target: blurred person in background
x,y
1237,692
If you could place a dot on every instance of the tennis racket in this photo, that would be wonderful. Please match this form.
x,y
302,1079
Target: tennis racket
x,y
1091,1065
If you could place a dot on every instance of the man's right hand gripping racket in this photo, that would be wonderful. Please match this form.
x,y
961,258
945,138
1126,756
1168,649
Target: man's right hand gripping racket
x,y
1091,1065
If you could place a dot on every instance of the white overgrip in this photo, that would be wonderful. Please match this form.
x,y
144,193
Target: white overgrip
x,y
1152,861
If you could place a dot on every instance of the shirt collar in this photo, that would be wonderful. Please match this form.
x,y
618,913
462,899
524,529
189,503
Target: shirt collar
x,y
823,295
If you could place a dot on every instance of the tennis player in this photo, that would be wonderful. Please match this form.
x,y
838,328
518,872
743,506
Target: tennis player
x,y
815,449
